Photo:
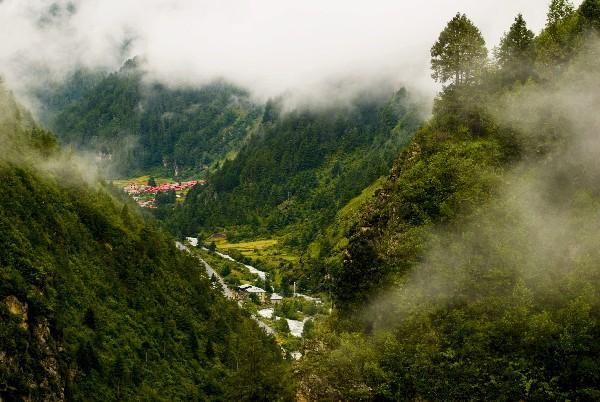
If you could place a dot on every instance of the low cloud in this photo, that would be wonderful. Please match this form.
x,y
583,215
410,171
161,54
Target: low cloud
x,y
269,46
542,228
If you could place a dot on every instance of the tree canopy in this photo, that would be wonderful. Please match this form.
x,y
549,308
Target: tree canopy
x,y
97,304
558,11
516,51
459,55
472,273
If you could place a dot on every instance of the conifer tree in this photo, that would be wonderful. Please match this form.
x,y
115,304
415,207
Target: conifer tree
x,y
559,38
558,11
515,53
459,55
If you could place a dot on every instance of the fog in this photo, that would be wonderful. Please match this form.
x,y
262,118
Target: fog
x,y
540,231
15,123
268,46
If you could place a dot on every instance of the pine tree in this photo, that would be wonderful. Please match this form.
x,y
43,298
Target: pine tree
x,y
559,11
516,44
515,53
460,54
559,39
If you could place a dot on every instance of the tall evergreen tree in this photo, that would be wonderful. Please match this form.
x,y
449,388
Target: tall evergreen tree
x,y
558,40
460,54
515,53
558,11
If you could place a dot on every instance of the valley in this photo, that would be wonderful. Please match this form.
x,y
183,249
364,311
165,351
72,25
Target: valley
x,y
178,224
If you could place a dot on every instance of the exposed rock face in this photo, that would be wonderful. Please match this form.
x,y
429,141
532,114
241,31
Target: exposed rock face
x,y
48,384
17,308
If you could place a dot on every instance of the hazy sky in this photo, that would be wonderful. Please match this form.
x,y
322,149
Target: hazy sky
x,y
269,46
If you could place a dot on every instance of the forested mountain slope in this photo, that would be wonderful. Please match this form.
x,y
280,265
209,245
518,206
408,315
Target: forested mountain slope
x,y
473,272
144,125
301,167
51,97
97,304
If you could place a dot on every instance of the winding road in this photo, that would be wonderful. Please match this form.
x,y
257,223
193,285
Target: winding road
x,y
227,291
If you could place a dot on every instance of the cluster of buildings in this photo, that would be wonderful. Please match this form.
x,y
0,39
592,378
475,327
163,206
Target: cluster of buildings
x,y
244,291
140,192
150,203
133,188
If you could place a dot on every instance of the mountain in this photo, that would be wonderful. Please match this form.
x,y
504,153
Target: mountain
x,y
96,303
453,259
141,125
472,272
51,97
300,167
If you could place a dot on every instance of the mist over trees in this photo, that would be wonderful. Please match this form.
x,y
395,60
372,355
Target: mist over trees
x,y
300,168
472,272
456,257
141,126
96,303
515,54
459,55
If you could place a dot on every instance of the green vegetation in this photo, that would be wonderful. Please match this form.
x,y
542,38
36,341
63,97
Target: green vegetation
x,y
97,304
459,55
233,273
55,96
472,274
144,126
248,248
140,180
290,179
469,272
272,175
269,254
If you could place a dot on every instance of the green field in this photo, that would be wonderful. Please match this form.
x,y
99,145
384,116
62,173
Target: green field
x,y
267,250
140,180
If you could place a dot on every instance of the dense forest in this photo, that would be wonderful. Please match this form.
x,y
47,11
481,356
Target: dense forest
x,y
300,168
453,258
96,303
473,272
144,126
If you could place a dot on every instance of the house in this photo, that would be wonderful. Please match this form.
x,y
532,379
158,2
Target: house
x,y
315,300
276,299
247,290
193,241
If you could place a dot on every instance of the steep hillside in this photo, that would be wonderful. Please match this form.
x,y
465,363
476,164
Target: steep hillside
x,y
142,125
51,97
472,274
97,304
300,168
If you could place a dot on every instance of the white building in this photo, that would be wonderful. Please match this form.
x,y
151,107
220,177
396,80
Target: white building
x,y
276,299
246,290
193,241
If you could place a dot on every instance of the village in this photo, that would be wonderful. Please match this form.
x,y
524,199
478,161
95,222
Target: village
x,y
288,317
145,194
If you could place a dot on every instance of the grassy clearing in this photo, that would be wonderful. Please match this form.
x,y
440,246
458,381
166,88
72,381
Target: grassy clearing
x,y
246,247
354,204
266,250
336,232
141,180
